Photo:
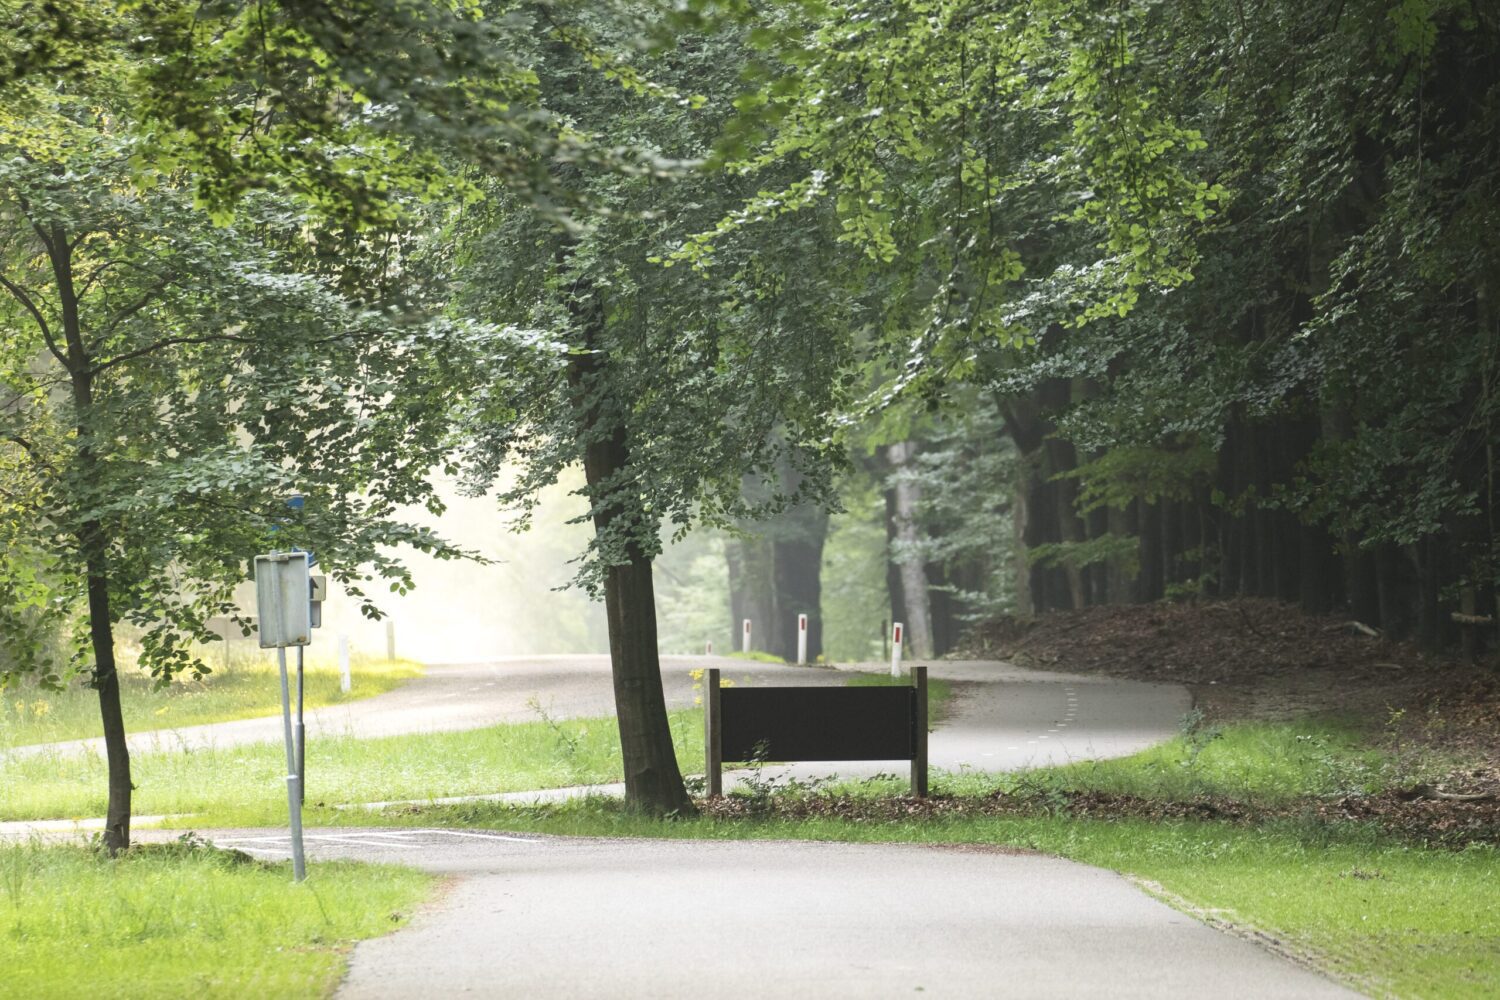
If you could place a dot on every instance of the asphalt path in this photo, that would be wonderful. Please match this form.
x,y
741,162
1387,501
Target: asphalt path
x,y
1002,717
532,916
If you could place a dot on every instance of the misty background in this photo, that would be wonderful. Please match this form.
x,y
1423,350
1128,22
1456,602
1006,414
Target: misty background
x,y
520,602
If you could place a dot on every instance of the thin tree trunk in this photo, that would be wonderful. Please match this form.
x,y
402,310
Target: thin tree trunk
x,y
913,574
94,546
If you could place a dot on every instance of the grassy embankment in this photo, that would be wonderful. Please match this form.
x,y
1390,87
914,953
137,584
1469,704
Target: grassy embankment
x,y
247,687
247,782
180,920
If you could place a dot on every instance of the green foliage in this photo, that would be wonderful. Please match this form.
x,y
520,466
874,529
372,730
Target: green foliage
x,y
165,383
955,140
718,391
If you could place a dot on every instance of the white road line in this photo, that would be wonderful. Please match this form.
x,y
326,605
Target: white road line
x,y
324,838
483,836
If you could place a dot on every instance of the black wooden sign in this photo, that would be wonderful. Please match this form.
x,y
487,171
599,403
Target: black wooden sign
x,y
817,723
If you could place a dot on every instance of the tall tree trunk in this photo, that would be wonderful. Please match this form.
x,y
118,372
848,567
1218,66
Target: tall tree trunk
x,y
653,782
797,572
94,547
911,571
751,590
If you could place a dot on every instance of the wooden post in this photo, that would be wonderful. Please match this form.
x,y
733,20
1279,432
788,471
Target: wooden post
x,y
713,735
919,759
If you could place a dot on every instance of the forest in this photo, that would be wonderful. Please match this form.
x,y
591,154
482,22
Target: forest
x,y
1033,306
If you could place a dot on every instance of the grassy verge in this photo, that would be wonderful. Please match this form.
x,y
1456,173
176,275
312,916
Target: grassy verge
x,y
247,782
177,920
245,689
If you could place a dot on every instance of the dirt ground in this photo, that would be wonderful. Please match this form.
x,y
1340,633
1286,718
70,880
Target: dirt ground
x,y
1249,658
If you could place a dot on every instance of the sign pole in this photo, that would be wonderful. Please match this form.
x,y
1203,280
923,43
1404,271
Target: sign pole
x,y
896,633
301,735
293,782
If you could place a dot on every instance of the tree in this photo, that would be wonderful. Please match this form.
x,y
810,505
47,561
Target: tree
x,y
673,387
167,384
1311,419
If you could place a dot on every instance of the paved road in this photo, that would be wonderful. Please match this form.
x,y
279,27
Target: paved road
x,y
572,917
1003,717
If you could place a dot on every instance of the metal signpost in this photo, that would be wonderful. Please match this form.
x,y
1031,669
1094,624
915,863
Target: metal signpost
x,y
284,597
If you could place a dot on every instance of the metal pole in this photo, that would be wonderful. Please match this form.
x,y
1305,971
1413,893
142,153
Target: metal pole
x,y
293,796
301,735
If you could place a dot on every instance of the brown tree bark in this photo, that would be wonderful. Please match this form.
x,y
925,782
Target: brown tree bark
x,y
94,546
653,781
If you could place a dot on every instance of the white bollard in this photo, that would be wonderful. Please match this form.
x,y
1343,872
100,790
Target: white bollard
x,y
801,638
896,631
390,639
345,681
708,648
745,639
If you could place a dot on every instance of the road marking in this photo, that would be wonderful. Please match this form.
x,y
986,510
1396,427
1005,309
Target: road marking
x,y
483,836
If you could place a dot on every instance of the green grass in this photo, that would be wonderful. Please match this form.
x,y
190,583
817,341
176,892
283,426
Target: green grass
x,y
247,782
178,921
1257,763
246,688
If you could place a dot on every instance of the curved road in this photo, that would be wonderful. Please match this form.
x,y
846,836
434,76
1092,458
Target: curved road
x,y
1001,717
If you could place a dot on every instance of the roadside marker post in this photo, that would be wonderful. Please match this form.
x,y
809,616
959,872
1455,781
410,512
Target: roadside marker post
x,y
345,681
896,635
745,637
390,638
801,639
708,648
283,590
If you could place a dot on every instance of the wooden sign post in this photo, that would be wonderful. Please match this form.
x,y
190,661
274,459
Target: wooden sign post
x,y
815,723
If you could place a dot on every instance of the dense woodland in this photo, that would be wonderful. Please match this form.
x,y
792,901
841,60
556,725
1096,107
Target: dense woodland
x,y
1080,302
1312,417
